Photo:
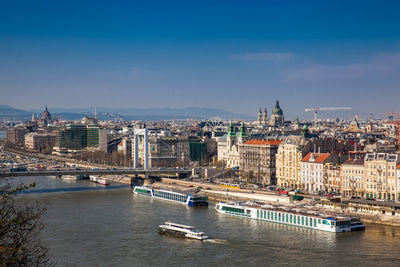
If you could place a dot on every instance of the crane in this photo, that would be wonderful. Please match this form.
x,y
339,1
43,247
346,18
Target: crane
x,y
318,109
394,118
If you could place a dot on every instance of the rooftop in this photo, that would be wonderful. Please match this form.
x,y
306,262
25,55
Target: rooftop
x,y
263,142
318,157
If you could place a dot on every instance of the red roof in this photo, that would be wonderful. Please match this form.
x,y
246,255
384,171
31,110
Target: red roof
x,y
398,166
319,157
263,142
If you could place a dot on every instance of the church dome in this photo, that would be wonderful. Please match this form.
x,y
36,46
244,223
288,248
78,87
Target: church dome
x,y
46,115
277,110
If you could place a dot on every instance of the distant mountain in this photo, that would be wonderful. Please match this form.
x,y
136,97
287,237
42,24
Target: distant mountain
x,y
10,113
133,113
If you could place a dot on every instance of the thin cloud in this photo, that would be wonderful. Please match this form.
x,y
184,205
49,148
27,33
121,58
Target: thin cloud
x,y
379,66
262,56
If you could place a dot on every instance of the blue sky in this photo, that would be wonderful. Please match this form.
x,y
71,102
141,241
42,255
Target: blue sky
x,y
234,55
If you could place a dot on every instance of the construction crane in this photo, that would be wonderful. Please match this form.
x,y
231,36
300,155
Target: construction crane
x,y
394,118
318,109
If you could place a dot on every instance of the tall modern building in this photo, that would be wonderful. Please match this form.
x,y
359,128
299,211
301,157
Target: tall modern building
x,y
73,138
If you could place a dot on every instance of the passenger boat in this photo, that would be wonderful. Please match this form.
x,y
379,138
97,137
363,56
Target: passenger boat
x,y
186,198
285,215
181,231
70,177
102,181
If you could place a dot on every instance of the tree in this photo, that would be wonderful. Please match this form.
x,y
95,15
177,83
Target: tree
x,y
20,226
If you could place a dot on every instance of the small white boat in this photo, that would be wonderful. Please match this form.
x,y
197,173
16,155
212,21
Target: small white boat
x,y
182,230
102,181
93,178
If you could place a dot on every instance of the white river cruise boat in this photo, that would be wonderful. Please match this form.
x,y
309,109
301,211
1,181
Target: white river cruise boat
x,y
182,231
289,216
186,198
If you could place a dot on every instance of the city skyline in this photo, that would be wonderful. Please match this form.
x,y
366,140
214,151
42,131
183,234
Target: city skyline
x,y
233,55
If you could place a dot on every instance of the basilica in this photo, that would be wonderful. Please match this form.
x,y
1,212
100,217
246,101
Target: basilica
x,y
277,119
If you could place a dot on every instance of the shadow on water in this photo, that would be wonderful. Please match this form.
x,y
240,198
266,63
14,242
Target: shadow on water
x,y
72,189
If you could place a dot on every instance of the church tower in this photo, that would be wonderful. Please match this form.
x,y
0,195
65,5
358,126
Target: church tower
x,y
265,121
242,134
259,117
231,135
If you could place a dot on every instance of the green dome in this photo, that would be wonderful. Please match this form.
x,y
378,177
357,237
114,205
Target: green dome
x,y
305,127
277,110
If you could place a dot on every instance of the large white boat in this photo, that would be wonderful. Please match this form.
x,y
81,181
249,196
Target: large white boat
x,y
290,216
70,177
187,198
181,230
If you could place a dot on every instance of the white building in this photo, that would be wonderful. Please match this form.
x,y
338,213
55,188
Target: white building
x,y
228,146
312,171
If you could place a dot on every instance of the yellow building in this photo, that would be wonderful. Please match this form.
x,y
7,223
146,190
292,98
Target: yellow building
x,y
352,176
288,161
380,175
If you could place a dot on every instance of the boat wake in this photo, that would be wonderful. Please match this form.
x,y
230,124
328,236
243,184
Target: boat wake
x,y
216,241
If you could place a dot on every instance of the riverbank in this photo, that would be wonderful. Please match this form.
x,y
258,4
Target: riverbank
x,y
216,193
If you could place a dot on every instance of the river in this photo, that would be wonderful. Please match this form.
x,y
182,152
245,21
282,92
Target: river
x,y
116,228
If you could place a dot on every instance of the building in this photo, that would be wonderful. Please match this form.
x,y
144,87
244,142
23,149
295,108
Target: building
x,y
353,178
228,146
167,151
16,135
312,174
70,139
75,137
398,182
381,175
39,141
288,158
125,147
46,117
262,118
332,178
277,118
197,150
257,161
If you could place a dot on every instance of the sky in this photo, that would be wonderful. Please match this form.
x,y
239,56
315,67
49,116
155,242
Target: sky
x,y
233,55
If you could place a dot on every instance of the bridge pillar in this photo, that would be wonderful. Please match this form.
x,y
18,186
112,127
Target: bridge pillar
x,y
145,133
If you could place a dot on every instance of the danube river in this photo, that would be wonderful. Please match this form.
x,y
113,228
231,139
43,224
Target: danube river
x,y
113,227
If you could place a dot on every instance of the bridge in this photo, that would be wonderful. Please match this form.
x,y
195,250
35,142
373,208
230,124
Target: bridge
x,y
147,172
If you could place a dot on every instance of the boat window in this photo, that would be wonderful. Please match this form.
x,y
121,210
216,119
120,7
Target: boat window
x,y
302,220
287,217
265,214
294,218
268,215
310,221
290,218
